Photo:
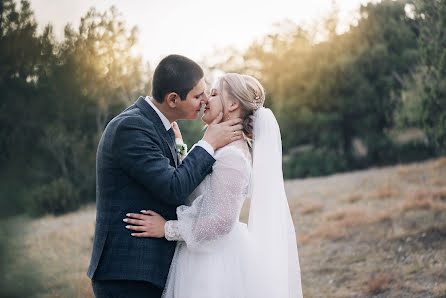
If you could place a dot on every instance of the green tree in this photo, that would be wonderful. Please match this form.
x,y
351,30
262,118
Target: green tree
x,y
431,99
57,98
21,61
328,93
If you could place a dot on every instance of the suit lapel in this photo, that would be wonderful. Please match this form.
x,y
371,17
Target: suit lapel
x,y
173,146
150,113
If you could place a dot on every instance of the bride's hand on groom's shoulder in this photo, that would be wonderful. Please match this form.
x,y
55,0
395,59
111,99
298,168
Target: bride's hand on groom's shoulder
x,y
219,134
148,224
176,130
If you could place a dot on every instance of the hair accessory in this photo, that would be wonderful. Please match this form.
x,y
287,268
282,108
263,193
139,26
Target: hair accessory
x,y
258,102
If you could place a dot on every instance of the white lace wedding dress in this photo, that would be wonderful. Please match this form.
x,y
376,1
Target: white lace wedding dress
x,y
219,257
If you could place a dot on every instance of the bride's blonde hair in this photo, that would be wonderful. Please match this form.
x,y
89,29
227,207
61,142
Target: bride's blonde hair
x,y
248,92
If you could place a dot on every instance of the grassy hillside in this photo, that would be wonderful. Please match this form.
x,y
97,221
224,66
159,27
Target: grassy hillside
x,y
379,232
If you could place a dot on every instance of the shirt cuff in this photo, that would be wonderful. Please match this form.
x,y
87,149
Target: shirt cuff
x,y
206,146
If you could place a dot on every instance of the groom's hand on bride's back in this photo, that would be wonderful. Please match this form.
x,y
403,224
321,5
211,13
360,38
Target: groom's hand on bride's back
x,y
220,134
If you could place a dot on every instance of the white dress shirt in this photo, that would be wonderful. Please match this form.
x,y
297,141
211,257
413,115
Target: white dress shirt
x,y
205,145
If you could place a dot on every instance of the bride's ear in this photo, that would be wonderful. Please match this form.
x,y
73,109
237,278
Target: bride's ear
x,y
234,105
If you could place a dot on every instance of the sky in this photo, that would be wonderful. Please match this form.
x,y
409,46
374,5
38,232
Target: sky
x,y
196,28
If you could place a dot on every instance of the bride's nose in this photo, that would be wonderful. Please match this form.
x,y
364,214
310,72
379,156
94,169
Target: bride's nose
x,y
204,99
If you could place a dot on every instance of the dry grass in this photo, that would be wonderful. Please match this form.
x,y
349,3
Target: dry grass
x,y
353,198
379,283
438,182
425,199
295,205
62,247
376,232
387,191
310,208
336,224
440,291
86,289
323,232
391,244
402,171
440,163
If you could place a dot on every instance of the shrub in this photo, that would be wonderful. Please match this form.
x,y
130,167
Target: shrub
x,y
56,197
384,151
313,163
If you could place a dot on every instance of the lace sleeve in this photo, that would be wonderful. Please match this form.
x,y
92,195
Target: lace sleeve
x,y
171,231
214,213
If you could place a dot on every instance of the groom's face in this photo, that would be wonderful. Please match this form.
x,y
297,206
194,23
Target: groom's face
x,y
190,108
214,105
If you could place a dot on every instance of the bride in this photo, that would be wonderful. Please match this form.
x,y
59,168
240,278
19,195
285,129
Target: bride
x,y
216,255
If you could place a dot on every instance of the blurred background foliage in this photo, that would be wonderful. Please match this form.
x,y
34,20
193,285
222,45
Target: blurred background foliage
x,y
371,96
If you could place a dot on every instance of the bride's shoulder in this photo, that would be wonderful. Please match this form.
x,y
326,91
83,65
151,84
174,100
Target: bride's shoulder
x,y
229,149
232,152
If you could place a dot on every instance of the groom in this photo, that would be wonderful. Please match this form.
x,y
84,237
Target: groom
x,y
138,167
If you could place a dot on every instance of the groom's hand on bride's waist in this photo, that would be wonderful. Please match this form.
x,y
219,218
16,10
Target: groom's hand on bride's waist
x,y
219,134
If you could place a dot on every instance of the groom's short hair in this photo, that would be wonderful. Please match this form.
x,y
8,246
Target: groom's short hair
x,y
175,73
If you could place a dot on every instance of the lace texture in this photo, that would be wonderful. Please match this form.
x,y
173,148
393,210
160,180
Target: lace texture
x,y
215,207
171,231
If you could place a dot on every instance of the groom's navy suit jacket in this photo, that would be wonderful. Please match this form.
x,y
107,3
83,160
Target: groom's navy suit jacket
x,y
137,168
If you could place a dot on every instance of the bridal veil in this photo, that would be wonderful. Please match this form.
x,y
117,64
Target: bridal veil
x,y
275,263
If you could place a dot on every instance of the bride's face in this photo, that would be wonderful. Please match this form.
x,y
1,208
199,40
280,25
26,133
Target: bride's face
x,y
214,105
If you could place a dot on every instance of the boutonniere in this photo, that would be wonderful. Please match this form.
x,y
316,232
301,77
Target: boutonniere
x,y
182,148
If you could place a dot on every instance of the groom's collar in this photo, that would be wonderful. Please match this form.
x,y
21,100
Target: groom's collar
x,y
163,118
150,113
